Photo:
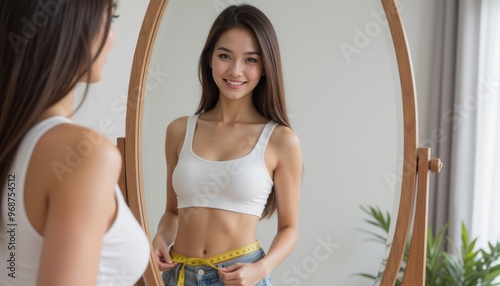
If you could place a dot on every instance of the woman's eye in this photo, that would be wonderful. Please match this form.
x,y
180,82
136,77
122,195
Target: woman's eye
x,y
252,60
223,56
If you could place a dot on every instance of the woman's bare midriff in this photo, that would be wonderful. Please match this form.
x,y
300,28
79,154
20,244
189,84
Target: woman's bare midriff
x,y
205,232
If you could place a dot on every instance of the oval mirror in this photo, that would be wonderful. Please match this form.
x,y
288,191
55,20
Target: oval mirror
x,y
344,99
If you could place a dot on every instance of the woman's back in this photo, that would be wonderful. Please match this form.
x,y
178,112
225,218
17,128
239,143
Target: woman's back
x,y
124,253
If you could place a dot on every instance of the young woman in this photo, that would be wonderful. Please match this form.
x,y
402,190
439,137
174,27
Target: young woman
x,y
233,162
63,218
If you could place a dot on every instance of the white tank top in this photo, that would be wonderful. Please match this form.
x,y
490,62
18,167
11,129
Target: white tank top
x,y
240,185
125,249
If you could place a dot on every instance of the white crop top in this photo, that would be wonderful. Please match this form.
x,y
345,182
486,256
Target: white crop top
x,y
240,185
125,249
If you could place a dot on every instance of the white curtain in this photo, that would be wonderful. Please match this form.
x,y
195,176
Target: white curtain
x,y
464,117
468,120
486,206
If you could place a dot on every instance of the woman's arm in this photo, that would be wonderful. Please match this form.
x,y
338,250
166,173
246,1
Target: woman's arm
x,y
167,227
287,178
81,208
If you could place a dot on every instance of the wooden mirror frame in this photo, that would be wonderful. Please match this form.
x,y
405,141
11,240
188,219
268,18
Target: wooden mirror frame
x,y
411,193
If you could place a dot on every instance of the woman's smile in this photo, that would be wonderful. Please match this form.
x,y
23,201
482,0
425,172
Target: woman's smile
x,y
234,84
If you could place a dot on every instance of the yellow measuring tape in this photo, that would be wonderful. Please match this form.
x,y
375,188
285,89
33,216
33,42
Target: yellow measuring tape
x,y
211,261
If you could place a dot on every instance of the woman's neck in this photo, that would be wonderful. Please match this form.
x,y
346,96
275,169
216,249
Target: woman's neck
x,y
63,107
232,111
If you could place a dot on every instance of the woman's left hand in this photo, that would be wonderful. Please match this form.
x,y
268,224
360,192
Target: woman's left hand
x,y
242,274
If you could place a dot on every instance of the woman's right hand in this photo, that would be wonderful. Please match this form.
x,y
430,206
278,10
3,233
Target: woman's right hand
x,y
162,254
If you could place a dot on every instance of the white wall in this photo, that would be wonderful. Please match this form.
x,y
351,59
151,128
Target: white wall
x,y
105,110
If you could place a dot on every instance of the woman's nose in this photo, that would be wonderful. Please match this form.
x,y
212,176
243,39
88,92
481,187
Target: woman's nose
x,y
236,69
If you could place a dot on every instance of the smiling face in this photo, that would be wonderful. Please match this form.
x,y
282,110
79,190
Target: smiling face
x,y
236,63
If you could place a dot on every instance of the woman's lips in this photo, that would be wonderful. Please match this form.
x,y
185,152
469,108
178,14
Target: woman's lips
x,y
234,83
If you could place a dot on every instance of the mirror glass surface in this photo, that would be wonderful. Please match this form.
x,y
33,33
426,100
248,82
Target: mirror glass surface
x,y
344,101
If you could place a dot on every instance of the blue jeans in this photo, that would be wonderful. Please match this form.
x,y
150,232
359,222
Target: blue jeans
x,y
207,276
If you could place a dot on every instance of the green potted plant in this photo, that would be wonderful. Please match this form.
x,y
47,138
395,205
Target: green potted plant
x,y
468,266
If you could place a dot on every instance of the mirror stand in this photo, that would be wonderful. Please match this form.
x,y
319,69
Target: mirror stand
x,y
417,162
415,273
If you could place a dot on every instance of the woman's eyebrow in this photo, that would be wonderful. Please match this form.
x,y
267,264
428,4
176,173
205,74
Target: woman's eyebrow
x,y
229,51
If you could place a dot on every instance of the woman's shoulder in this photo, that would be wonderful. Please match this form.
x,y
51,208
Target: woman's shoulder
x,y
178,126
176,130
70,141
284,136
81,137
286,145
178,123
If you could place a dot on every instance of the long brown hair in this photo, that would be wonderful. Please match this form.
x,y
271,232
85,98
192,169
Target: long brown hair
x,y
269,95
44,52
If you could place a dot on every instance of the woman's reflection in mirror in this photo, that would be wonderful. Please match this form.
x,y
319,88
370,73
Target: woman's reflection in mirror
x,y
233,162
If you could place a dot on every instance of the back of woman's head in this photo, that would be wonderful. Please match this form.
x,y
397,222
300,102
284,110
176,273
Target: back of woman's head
x,y
45,51
268,96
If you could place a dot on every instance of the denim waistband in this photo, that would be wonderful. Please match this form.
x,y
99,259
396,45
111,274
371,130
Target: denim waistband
x,y
194,275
